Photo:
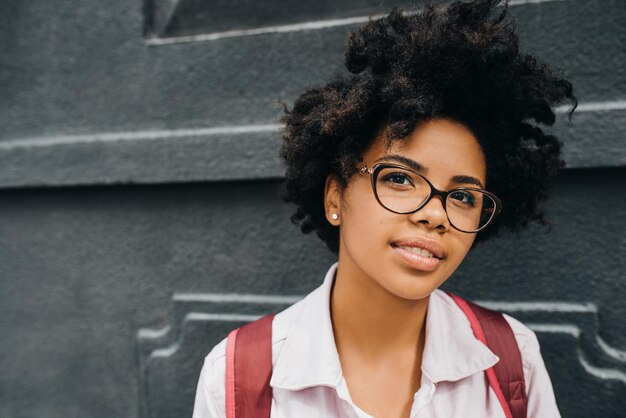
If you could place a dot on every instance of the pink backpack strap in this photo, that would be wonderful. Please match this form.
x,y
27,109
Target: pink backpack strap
x,y
506,377
249,369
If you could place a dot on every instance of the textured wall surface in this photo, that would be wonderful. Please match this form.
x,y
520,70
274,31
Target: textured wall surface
x,y
140,219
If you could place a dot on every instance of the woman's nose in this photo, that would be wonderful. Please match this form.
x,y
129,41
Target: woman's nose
x,y
432,214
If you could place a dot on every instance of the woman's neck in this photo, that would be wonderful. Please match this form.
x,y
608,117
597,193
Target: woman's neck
x,y
369,319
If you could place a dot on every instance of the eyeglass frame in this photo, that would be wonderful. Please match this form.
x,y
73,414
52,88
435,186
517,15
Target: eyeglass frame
x,y
378,167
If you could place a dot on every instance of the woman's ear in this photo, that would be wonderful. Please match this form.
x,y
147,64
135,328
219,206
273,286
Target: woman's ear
x,y
332,200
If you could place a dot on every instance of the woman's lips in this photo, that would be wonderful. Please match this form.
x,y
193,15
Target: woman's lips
x,y
419,254
418,262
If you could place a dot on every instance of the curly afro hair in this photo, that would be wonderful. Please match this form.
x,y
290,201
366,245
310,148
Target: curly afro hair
x,y
460,62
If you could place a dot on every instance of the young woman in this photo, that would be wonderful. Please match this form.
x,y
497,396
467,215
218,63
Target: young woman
x,y
429,147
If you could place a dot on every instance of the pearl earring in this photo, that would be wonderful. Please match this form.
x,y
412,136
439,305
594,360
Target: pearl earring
x,y
334,216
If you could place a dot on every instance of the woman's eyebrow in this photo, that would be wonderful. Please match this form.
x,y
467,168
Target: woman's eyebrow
x,y
468,180
403,160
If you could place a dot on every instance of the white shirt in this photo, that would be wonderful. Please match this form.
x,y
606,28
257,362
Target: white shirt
x,y
307,380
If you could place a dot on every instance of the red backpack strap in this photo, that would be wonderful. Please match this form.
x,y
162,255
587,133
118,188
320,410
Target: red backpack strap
x,y
249,369
506,377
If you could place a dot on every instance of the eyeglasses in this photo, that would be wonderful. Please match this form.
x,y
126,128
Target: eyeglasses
x,y
401,190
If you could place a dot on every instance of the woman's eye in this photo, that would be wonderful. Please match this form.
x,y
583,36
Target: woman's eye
x,y
398,178
463,196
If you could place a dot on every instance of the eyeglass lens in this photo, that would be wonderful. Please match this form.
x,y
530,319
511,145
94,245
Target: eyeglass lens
x,y
404,191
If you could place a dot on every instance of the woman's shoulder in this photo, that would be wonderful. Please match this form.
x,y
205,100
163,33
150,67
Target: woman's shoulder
x,y
210,395
539,390
528,346
280,325
524,336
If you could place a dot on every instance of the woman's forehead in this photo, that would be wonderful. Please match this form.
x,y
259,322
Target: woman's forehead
x,y
435,145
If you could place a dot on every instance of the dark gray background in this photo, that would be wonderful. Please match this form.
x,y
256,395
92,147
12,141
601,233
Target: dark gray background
x,y
139,176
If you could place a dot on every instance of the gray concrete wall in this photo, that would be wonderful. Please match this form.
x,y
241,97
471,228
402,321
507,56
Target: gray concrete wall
x,y
138,181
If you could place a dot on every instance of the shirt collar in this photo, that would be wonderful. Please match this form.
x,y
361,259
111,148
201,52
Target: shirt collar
x,y
451,351
309,354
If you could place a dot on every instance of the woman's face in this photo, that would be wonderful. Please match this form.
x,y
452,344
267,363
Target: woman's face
x,y
374,242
